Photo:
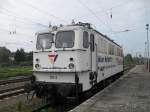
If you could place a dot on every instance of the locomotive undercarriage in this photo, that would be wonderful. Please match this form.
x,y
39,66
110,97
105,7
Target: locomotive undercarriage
x,y
55,92
62,93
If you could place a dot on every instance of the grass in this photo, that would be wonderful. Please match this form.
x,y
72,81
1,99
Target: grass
x,y
6,72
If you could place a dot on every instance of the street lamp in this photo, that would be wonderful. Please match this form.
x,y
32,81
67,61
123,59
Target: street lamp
x,y
147,28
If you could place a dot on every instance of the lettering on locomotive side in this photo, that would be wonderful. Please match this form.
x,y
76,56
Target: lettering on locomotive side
x,y
53,76
104,59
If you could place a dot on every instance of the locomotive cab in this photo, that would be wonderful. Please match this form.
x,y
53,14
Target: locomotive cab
x,y
63,59
62,51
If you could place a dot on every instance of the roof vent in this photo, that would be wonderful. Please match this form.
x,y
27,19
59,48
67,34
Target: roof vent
x,y
54,28
73,22
88,25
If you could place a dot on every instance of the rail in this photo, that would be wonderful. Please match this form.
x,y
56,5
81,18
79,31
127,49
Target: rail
x,y
15,80
13,86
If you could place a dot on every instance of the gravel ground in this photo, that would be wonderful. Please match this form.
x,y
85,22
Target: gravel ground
x,y
19,104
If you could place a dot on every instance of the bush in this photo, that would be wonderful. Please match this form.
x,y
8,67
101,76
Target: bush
x,y
5,64
26,63
20,55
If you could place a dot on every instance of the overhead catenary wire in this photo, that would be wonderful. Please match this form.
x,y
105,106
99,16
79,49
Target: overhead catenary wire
x,y
43,11
19,21
19,18
17,33
104,12
93,11
18,44
108,9
94,14
13,29
25,19
29,19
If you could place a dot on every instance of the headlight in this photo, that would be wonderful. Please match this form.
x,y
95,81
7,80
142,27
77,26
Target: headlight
x,y
37,66
71,65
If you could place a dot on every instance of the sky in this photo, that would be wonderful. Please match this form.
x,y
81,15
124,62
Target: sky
x,y
21,19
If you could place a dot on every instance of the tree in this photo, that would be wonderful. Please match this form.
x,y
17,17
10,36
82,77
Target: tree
x,y
128,59
4,55
20,55
29,56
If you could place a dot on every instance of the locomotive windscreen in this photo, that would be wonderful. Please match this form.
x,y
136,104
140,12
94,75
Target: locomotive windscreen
x,y
64,39
44,41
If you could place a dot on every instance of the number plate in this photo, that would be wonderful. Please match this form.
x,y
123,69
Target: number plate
x,y
53,76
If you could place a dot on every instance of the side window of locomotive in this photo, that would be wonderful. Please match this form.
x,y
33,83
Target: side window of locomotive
x,y
65,39
85,39
111,49
44,41
92,42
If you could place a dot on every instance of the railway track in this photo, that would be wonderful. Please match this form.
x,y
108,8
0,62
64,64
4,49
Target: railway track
x,y
127,68
13,86
15,80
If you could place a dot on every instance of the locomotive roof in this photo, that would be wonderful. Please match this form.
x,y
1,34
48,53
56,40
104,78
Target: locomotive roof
x,y
105,36
89,27
81,25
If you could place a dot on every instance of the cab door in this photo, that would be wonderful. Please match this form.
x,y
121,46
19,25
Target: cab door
x,y
94,62
86,55
93,49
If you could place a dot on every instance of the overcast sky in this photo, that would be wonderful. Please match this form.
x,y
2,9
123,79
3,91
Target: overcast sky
x,y
27,17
